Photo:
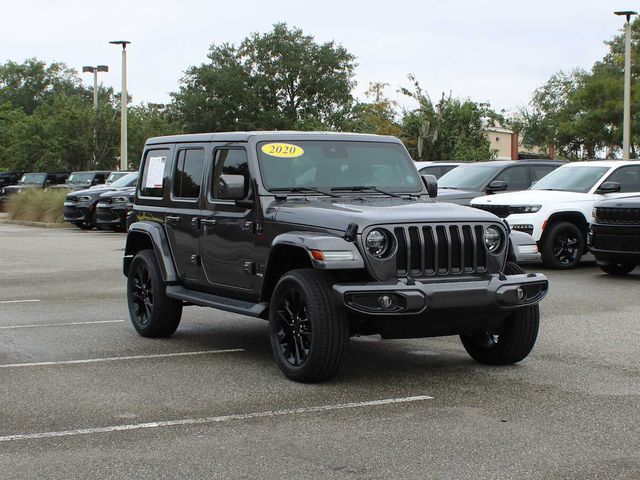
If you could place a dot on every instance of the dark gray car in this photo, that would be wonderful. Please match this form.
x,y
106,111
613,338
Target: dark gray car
x,y
326,236
472,180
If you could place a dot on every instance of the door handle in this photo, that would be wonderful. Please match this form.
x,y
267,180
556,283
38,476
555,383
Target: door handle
x,y
171,219
207,224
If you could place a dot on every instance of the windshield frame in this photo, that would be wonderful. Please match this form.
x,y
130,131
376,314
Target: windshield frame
x,y
267,189
605,170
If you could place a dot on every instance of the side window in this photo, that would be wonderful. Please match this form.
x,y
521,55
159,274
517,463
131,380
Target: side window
x,y
539,171
155,161
187,175
627,177
229,161
517,178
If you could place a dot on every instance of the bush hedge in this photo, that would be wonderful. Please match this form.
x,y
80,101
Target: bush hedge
x,y
36,205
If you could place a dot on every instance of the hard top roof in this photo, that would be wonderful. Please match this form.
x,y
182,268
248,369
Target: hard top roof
x,y
267,135
604,163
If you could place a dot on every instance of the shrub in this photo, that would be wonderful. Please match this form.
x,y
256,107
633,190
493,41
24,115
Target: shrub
x,y
36,205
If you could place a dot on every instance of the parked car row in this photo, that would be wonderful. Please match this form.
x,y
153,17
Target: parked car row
x,y
104,207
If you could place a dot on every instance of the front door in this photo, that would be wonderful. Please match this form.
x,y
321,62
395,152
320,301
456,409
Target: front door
x,y
183,215
228,230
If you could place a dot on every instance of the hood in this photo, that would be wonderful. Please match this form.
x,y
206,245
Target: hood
x,y
448,194
532,197
117,192
629,202
91,192
338,213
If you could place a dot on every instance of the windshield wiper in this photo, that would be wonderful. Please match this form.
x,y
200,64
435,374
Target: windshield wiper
x,y
304,189
361,188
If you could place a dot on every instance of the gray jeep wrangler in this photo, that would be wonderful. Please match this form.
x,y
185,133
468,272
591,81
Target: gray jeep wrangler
x,y
326,236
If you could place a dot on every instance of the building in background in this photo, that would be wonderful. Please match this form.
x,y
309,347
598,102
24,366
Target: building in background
x,y
509,147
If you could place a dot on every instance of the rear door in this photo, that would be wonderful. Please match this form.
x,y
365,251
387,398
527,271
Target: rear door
x,y
629,179
184,208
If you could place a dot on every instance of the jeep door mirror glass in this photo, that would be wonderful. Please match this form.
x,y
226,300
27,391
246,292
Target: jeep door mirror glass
x,y
231,187
609,187
497,186
431,183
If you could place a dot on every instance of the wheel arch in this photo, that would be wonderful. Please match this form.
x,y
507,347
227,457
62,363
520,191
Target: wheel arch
x,y
575,217
150,235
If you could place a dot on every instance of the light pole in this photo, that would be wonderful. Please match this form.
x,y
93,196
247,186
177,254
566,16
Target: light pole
x,y
124,164
95,70
626,124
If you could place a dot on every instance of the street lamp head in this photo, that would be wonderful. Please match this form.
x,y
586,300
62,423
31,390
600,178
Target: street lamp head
x,y
626,13
88,69
124,43
102,68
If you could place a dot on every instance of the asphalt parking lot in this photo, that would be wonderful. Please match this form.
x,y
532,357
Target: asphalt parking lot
x,y
83,396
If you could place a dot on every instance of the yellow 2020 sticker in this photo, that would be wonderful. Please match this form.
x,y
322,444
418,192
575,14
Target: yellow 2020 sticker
x,y
282,150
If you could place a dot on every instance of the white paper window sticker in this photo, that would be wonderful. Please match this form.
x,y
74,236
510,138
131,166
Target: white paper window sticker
x,y
155,172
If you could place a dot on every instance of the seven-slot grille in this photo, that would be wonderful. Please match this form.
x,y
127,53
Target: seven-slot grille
x,y
440,250
626,216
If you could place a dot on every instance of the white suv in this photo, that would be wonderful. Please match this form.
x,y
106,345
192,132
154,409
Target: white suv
x,y
556,211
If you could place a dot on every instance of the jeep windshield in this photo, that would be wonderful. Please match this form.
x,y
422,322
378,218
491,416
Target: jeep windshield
x,y
33,179
129,180
571,178
325,165
80,178
468,177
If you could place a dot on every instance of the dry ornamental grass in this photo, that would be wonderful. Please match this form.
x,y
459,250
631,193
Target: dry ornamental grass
x,y
36,205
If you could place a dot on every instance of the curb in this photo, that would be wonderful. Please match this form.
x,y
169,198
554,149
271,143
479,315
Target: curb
x,y
35,224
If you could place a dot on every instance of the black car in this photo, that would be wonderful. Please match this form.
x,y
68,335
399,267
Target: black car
x,y
326,236
32,180
10,178
113,208
84,180
614,236
472,180
80,206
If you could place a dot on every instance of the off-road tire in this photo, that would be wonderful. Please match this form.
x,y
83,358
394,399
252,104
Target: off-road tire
x,y
554,235
164,314
327,323
514,341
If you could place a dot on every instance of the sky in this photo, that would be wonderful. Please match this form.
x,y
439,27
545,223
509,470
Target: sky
x,y
495,51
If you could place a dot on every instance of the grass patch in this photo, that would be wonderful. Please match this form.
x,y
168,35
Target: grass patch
x,y
36,205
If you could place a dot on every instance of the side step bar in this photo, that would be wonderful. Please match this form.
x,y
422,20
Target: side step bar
x,y
221,303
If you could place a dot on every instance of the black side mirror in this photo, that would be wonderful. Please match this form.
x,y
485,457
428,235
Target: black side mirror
x,y
497,186
431,182
609,187
231,187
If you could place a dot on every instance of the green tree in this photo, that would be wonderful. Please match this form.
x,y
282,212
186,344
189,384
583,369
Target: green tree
x,y
146,121
378,116
282,79
451,129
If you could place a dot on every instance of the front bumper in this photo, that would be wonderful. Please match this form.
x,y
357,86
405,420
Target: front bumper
x,y
75,213
494,292
107,215
615,243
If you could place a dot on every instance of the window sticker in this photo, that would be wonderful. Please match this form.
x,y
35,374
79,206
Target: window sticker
x,y
155,172
282,150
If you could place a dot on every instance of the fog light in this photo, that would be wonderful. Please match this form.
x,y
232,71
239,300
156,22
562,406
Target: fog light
x,y
386,302
520,294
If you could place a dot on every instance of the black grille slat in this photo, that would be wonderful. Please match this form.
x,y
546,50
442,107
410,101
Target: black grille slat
x,y
480,249
443,249
469,251
457,250
401,255
415,262
501,211
429,251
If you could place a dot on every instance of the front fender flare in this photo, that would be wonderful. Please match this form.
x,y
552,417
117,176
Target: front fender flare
x,y
157,236
323,242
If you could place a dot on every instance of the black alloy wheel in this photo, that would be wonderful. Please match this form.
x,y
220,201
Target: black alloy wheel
x,y
293,328
142,295
562,246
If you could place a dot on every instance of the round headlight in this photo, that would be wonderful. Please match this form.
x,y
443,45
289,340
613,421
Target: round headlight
x,y
378,243
492,239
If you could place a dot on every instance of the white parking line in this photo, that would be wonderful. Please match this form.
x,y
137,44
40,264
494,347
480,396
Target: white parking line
x,y
222,418
19,301
117,359
35,325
